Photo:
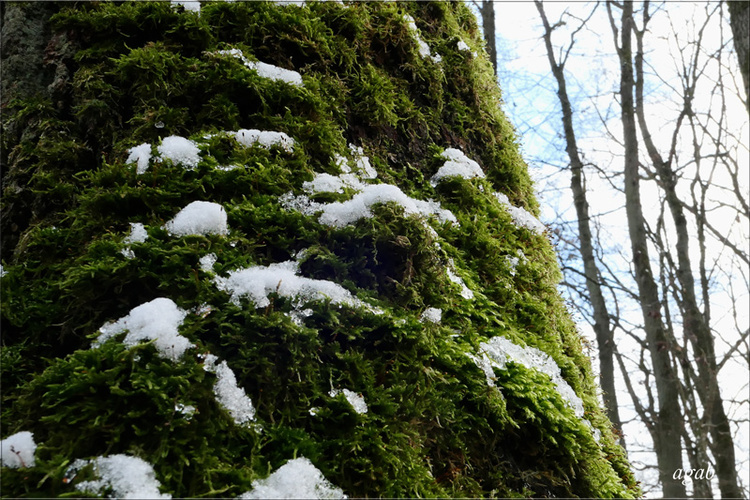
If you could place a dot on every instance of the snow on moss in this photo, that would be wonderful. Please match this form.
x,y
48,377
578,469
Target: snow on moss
x,y
157,320
356,400
266,70
465,291
140,155
498,351
298,478
362,163
340,214
18,450
180,151
432,314
424,49
207,262
264,138
199,218
257,282
229,395
125,476
137,234
520,216
457,164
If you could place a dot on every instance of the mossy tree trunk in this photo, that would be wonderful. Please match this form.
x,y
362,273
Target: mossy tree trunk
x,y
236,234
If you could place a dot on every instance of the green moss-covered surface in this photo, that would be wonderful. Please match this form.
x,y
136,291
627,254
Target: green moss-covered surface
x,y
129,73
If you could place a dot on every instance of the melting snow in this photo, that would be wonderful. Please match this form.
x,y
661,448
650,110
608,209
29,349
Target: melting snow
x,y
137,234
264,138
457,165
433,315
499,350
298,478
424,49
18,450
520,216
362,162
228,393
128,477
340,214
257,282
180,150
266,70
157,320
356,400
465,291
140,155
199,217
207,262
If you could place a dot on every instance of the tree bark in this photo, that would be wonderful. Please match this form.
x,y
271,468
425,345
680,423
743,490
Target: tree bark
x,y
668,420
488,25
739,20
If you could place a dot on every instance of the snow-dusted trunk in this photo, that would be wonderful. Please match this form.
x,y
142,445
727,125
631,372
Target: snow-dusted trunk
x,y
268,249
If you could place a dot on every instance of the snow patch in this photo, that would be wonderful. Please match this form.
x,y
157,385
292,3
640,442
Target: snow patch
x,y
433,315
18,450
257,282
298,478
179,150
207,262
465,291
264,138
340,214
199,218
126,476
498,351
520,216
457,165
266,70
157,320
356,400
424,49
140,155
228,393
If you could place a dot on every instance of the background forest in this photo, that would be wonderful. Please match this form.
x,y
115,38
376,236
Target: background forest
x,y
634,118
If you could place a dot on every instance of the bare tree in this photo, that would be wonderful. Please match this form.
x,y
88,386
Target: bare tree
x,y
685,259
487,11
739,18
602,326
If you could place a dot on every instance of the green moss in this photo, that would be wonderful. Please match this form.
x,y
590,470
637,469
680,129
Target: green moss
x,y
146,70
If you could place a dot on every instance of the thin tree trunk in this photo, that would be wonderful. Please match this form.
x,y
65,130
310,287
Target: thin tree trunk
x,y
668,422
739,19
488,24
602,327
695,326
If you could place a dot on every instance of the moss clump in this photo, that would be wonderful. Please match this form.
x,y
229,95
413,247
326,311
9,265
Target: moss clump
x,y
437,424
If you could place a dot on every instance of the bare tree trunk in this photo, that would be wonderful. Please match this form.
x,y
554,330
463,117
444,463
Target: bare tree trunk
x,y
602,326
695,326
668,421
488,24
739,19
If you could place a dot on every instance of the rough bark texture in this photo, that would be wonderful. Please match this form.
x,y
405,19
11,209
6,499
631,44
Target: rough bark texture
x,y
739,19
668,421
394,305
602,325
